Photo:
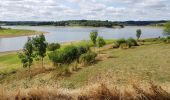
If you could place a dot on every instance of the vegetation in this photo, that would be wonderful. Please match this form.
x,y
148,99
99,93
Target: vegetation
x,y
94,23
40,46
125,43
27,55
67,54
132,42
93,37
53,46
147,63
98,91
138,33
100,42
167,29
16,32
88,57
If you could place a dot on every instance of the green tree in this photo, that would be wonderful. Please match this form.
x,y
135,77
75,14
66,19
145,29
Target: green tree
x,y
27,55
93,36
167,28
138,33
40,46
100,42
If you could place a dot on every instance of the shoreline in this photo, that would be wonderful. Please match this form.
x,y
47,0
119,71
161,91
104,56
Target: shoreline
x,y
30,34
15,51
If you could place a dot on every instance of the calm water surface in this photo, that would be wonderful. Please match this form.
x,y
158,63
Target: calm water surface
x,y
67,34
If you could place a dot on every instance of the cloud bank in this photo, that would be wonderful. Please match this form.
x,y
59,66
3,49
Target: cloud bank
x,y
54,10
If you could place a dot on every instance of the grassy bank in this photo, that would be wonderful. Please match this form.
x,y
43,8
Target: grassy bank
x,y
16,32
115,66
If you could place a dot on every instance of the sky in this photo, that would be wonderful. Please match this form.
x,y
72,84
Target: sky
x,y
56,10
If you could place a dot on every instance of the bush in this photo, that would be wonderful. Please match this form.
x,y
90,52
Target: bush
x,y
119,42
83,49
53,46
132,42
67,54
88,57
168,39
123,43
100,42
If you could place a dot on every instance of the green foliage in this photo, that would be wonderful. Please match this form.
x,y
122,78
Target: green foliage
x,y
27,56
40,46
138,33
93,36
88,57
123,43
67,54
53,46
168,39
82,49
167,29
132,42
100,42
119,42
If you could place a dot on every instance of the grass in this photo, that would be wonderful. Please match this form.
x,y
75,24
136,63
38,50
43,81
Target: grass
x,y
16,32
115,66
100,91
9,63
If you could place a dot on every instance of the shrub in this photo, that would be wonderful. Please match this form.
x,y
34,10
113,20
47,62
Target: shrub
x,y
83,49
100,42
123,43
132,42
53,46
67,54
93,36
57,57
88,57
168,39
119,42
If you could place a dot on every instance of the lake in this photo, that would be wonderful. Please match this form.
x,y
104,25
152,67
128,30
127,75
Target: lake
x,y
67,34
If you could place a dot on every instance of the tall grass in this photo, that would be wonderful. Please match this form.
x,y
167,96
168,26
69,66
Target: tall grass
x,y
100,91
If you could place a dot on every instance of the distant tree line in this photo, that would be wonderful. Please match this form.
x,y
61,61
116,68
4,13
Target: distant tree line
x,y
142,23
93,23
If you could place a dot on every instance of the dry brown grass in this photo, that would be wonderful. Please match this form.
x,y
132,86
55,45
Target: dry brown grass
x,y
92,92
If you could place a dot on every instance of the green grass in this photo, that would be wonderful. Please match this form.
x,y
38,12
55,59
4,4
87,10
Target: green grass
x,y
9,63
144,63
16,32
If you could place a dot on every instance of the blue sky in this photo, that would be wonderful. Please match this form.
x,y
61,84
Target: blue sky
x,y
54,10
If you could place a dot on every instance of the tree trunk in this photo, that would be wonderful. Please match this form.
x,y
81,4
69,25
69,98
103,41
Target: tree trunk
x,y
42,64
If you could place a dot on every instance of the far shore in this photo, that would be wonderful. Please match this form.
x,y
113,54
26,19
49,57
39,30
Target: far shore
x,y
30,34
9,32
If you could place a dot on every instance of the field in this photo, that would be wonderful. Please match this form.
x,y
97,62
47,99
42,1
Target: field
x,y
145,63
16,32
131,70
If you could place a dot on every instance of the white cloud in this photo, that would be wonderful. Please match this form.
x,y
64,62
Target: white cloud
x,y
38,10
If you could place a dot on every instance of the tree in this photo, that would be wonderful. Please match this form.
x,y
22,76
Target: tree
x,y
100,42
27,55
93,36
138,33
167,28
53,46
40,46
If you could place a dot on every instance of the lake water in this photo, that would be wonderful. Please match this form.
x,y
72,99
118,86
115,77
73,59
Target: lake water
x,y
67,34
